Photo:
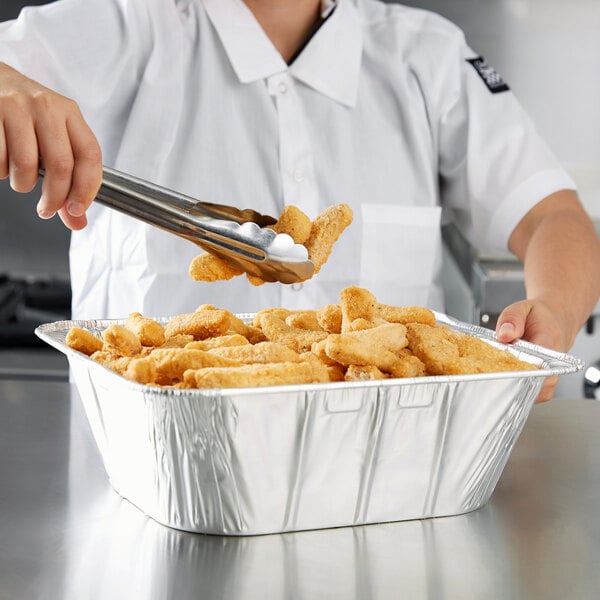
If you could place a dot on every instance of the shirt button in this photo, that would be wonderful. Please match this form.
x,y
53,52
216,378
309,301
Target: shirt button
x,y
299,174
296,287
282,88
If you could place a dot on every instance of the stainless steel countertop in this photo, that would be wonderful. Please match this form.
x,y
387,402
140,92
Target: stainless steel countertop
x,y
64,534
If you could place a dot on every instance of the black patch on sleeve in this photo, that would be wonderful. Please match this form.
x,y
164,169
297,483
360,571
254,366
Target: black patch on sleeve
x,y
489,75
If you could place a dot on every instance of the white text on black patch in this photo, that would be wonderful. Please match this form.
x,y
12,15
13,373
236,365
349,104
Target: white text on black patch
x,y
489,75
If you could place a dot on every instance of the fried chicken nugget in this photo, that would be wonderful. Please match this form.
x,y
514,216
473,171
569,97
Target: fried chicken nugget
x,y
357,303
255,375
277,330
233,339
281,313
295,223
140,370
170,363
360,324
208,267
377,347
364,373
179,340
112,360
319,350
325,231
263,352
477,356
121,341
329,318
148,331
409,365
250,332
391,336
306,319
431,345
322,372
406,314
83,341
348,349
236,325
200,324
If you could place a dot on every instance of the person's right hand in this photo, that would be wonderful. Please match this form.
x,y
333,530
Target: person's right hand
x,y
41,127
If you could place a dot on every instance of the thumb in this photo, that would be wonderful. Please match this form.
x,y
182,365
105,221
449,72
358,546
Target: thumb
x,y
511,322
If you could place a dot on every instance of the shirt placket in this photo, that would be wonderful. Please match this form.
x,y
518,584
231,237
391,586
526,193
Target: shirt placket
x,y
296,163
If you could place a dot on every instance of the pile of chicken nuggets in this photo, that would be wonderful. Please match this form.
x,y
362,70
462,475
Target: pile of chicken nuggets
x,y
357,339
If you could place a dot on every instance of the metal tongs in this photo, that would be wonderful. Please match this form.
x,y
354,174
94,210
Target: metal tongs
x,y
237,236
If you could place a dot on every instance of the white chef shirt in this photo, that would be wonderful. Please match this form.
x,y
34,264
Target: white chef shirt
x,y
381,110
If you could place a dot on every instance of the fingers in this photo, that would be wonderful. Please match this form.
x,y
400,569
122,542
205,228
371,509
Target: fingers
x,y
3,155
511,322
535,322
87,171
21,150
72,163
37,124
85,174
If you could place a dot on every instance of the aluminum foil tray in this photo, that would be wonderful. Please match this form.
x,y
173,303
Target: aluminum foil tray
x,y
274,459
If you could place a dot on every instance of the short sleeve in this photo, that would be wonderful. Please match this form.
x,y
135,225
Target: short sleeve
x,y
493,164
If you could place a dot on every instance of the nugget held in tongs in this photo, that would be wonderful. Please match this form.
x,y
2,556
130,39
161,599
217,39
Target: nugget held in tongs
x,y
318,237
239,237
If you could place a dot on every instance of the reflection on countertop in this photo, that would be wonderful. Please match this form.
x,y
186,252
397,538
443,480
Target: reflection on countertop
x,y
67,535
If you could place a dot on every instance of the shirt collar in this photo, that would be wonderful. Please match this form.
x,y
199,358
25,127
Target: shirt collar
x,y
330,63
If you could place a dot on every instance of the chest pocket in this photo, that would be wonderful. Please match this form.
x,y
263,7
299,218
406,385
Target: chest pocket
x,y
401,254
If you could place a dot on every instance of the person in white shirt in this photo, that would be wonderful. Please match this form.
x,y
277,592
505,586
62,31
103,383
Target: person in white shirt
x,y
262,103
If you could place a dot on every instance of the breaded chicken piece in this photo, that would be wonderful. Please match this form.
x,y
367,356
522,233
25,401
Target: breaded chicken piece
x,y
364,373
477,356
148,331
325,231
356,303
208,267
306,319
121,341
169,364
406,314
432,346
83,341
233,339
140,370
377,347
263,352
277,330
201,324
391,336
293,222
329,318
285,373
179,340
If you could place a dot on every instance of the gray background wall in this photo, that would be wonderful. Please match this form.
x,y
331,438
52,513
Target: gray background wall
x,y
547,50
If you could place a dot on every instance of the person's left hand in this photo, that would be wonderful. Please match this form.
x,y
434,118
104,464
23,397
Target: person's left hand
x,y
535,322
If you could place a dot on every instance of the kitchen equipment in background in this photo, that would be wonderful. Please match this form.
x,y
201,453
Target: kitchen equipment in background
x,y
592,381
25,303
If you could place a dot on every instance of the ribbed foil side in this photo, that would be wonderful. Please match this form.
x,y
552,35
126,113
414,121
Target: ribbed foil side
x,y
265,460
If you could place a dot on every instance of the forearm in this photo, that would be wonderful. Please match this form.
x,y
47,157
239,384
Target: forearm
x,y
560,251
